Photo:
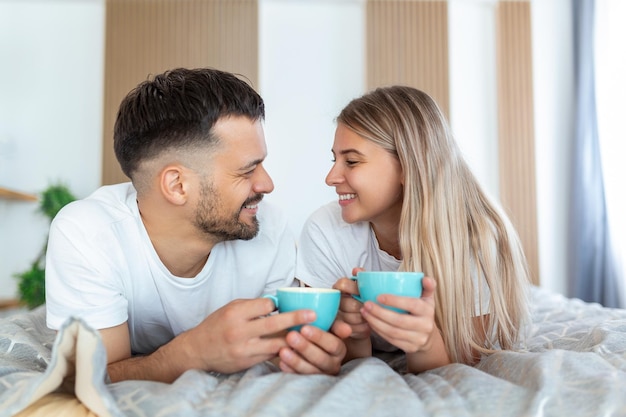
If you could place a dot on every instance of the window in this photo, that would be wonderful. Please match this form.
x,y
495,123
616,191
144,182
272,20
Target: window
x,y
610,60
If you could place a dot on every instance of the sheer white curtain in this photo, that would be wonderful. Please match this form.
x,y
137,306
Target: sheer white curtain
x,y
610,59
594,274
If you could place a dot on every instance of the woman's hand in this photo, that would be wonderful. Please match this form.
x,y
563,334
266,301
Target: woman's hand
x,y
416,332
358,344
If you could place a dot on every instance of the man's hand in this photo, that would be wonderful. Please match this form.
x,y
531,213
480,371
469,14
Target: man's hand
x,y
233,338
314,351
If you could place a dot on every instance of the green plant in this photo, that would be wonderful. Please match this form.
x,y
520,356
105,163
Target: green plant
x,y
31,285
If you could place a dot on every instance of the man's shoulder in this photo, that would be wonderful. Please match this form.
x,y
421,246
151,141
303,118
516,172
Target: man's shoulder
x,y
108,203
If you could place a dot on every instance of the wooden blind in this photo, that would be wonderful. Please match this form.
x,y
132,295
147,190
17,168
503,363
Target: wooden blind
x,y
407,43
147,37
516,124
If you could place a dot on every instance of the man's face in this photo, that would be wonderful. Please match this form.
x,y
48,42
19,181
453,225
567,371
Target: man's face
x,y
227,204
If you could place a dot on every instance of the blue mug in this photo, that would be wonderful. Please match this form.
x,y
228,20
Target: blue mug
x,y
324,301
371,284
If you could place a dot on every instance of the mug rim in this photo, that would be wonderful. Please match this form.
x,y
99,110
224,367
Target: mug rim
x,y
416,274
308,290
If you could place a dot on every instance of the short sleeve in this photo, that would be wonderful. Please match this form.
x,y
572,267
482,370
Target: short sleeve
x,y
78,280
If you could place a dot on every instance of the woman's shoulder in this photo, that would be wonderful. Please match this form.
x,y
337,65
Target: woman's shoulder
x,y
328,214
327,218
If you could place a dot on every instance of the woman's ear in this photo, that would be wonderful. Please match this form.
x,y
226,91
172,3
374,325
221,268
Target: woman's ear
x,y
172,182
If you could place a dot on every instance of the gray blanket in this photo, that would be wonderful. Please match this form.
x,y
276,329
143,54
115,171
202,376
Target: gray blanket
x,y
573,364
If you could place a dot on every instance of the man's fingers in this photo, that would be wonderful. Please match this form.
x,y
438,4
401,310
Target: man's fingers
x,y
314,350
250,308
292,360
279,322
328,342
286,368
341,329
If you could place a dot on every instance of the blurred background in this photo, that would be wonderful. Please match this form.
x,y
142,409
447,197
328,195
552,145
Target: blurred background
x,y
506,73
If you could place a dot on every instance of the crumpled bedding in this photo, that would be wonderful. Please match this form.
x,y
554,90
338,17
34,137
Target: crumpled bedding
x,y
573,363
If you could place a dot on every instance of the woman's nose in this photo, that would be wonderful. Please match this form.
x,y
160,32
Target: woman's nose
x,y
334,176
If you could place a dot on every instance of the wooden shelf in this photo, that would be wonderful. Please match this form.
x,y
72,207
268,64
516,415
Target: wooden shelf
x,y
6,304
7,194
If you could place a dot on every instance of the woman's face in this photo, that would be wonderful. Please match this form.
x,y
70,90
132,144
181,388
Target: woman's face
x,y
367,178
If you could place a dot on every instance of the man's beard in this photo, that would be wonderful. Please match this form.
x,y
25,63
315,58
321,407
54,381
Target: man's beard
x,y
210,221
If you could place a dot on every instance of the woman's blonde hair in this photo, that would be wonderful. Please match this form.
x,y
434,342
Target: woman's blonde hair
x,y
449,228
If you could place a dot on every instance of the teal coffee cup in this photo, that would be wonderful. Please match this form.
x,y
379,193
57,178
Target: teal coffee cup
x,y
324,301
371,284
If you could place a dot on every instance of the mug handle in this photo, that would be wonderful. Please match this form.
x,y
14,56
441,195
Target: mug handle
x,y
273,298
356,297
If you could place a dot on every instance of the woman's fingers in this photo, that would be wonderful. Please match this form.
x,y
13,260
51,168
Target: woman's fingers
x,y
409,332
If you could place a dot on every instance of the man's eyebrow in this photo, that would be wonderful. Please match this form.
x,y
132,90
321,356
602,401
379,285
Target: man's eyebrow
x,y
251,164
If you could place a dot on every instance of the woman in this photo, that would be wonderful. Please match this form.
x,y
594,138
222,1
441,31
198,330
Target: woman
x,y
408,201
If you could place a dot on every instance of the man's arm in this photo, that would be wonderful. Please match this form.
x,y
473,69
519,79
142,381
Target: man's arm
x,y
116,341
160,365
121,366
233,338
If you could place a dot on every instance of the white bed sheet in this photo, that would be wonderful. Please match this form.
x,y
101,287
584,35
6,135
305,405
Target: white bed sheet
x,y
574,364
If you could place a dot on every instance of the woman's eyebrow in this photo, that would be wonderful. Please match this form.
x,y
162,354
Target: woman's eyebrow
x,y
347,151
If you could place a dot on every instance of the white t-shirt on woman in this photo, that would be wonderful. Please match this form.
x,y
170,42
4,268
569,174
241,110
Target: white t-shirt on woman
x,y
329,248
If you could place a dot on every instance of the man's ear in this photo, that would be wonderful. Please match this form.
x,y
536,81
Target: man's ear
x,y
173,187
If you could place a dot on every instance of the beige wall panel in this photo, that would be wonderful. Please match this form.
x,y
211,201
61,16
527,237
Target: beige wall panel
x,y
407,43
145,37
516,124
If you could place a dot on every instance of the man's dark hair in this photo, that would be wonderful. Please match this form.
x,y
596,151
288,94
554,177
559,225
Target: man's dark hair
x,y
178,109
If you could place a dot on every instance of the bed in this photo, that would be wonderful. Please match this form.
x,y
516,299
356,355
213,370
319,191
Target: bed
x,y
573,364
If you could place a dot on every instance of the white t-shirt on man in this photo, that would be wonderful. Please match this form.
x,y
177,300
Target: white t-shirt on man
x,y
101,267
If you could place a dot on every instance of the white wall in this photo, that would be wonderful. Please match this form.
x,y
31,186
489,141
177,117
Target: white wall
x,y
311,55
311,65
473,94
553,80
51,81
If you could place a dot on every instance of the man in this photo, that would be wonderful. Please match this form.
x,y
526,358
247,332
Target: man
x,y
170,267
